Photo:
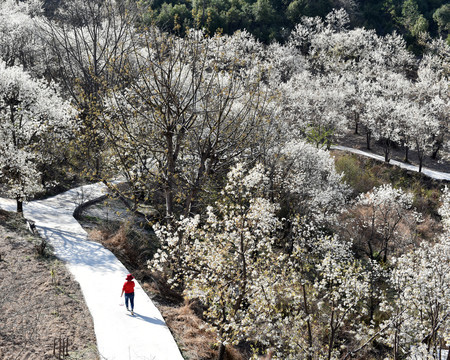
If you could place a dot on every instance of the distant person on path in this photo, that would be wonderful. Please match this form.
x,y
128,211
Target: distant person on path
x,y
128,289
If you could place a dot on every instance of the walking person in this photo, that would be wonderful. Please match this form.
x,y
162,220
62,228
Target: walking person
x,y
128,289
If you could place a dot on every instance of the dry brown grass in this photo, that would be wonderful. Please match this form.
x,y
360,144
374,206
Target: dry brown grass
x,y
131,246
195,337
428,229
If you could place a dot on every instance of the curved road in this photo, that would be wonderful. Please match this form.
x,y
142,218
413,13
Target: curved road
x,y
101,276
431,173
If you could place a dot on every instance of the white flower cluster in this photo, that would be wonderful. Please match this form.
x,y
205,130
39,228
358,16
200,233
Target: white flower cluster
x,y
232,261
31,114
309,178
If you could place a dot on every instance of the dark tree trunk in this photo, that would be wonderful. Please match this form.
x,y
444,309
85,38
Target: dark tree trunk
x,y
170,173
190,199
308,323
407,154
436,147
368,138
331,339
20,206
420,155
356,119
387,150
396,345
221,352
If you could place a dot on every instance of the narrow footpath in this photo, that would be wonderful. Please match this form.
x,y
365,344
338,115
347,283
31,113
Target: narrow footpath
x,y
101,275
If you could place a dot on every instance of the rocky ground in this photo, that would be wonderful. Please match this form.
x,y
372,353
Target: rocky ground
x,y
39,300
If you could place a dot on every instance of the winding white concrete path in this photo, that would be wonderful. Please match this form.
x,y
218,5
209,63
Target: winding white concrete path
x,y
431,173
101,276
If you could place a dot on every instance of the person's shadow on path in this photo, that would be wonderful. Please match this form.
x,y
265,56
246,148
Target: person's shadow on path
x,y
148,319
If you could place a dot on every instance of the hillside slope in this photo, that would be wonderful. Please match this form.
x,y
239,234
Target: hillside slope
x,y
39,300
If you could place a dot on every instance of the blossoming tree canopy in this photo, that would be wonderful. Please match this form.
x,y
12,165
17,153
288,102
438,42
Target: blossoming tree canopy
x,y
31,112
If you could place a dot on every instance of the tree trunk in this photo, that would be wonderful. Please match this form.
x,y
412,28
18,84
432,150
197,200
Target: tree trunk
x,y
195,187
221,352
396,345
407,154
387,150
368,137
170,172
332,335
20,206
436,148
371,300
420,155
243,286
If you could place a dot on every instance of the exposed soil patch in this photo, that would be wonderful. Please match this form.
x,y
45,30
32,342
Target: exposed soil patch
x,y
39,300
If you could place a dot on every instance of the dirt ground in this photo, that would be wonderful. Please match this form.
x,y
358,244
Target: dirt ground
x,y
39,300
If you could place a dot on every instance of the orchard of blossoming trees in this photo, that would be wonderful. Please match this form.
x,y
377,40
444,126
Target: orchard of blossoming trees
x,y
228,139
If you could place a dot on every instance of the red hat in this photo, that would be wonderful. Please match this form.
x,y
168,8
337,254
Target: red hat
x,y
130,277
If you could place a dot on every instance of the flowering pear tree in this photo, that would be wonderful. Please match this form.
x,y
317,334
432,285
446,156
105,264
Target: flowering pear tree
x,y
87,42
381,221
421,307
318,294
20,43
342,286
306,181
425,127
31,113
444,210
336,293
234,262
431,97
421,281
383,114
314,106
330,46
225,259
284,62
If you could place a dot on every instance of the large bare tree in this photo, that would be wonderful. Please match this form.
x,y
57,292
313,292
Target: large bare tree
x,y
197,103
88,41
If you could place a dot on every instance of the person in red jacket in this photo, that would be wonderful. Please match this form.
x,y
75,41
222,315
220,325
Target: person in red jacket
x,y
128,289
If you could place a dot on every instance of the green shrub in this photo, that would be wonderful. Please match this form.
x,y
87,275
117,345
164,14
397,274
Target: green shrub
x,y
356,174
